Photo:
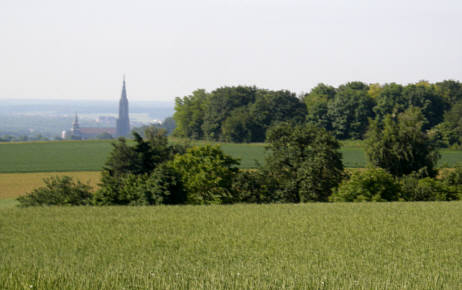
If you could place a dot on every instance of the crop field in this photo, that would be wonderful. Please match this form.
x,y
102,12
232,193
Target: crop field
x,y
15,184
91,156
309,246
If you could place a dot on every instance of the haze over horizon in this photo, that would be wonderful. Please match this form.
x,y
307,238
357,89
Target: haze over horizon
x,y
55,49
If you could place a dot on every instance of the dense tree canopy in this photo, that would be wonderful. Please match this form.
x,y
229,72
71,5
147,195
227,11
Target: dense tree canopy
x,y
305,162
350,110
400,146
244,114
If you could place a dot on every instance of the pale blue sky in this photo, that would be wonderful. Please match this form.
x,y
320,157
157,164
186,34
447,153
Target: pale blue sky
x,y
80,49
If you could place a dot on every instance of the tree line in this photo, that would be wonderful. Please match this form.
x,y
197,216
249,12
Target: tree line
x,y
303,164
244,114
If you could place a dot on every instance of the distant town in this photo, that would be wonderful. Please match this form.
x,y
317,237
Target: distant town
x,y
24,120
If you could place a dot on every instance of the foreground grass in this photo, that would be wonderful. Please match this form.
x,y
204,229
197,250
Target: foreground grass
x,y
317,246
16,184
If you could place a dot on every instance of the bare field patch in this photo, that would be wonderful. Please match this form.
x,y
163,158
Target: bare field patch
x,y
13,185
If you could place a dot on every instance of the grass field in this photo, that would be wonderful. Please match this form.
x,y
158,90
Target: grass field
x,y
91,156
15,184
309,246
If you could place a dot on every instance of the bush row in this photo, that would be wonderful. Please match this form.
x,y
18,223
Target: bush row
x,y
304,164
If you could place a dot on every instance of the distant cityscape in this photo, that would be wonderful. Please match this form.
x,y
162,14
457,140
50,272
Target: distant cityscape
x,y
23,120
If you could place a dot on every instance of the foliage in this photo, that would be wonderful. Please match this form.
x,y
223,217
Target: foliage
x,y
317,103
424,96
426,189
350,110
254,186
401,146
371,185
141,158
58,190
207,174
389,101
450,90
272,107
449,132
189,114
222,102
235,114
162,186
130,175
305,162
453,179
238,127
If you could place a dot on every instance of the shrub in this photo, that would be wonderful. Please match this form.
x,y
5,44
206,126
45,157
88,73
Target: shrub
x,y
207,174
254,186
370,185
58,191
163,186
426,189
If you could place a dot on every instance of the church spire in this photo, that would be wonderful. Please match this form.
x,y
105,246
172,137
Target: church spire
x,y
75,131
123,122
76,120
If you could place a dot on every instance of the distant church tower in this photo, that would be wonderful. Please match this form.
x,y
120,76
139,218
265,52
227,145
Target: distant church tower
x,y
75,131
123,123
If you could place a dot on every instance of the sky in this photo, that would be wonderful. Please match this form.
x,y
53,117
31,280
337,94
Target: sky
x,y
80,50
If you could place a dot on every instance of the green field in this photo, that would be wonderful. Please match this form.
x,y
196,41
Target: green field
x,y
308,246
91,156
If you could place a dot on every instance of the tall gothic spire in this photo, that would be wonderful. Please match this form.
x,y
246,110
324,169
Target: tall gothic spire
x,y
75,131
123,122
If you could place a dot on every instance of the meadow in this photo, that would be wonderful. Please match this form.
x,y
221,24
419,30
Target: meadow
x,y
91,156
307,246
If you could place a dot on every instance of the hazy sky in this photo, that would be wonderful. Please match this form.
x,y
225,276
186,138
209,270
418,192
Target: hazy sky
x,y
80,49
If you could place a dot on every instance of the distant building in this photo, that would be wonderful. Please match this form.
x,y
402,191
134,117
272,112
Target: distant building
x,y
123,122
78,133
75,131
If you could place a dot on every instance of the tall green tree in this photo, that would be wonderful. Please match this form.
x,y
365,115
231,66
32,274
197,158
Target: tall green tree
x,y
221,103
350,110
424,96
401,146
389,101
450,90
305,161
130,167
271,107
189,114
317,102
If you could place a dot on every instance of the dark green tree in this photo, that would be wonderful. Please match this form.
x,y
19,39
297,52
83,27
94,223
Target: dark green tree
x,y
271,107
189,114
239,126
350,110
424,96
305,162
389,101
207,174
222,102
400,145
130,167
317,102
450,90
